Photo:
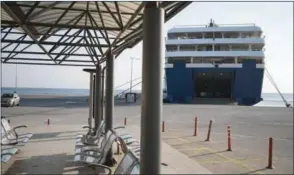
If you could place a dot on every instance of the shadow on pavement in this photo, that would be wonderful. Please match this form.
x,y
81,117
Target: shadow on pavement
x,y
255,171
206,154
45,164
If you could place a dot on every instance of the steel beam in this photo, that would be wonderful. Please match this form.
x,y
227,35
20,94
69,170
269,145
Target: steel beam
x,y
44,59
57,35
53,43
17,15
42,53
40,24
151,111
32,16
126,27
52,64
74,9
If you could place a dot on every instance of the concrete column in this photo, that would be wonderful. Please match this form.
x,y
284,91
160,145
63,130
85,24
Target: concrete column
x,y
90,101
236,60
98,104
230,47
178,47
250,47
151,111
213,47
109,99
223,35
240,35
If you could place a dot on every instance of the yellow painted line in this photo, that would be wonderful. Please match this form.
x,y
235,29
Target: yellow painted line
x,y
184,140
221,161
237,162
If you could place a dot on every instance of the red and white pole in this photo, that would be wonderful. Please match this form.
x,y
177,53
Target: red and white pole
x,y
229,138
195,127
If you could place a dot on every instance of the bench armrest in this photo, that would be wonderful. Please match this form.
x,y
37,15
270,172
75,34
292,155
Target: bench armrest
x,y
90,144
100,166
17,127
13,143
119,127
21,126
94,150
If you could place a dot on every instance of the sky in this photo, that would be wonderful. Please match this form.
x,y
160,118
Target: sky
x,y
275,19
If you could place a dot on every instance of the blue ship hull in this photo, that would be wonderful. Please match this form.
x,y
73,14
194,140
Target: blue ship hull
x,y
245,86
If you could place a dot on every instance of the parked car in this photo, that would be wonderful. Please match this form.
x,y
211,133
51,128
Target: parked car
x,y
10,99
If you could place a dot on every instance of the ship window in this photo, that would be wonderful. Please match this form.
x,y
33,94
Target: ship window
x,y
201,48
195,36
217,35
179,59
240,47
228,60
259,61
224,47
246,35
256,48
208,47
171,48
196,60
231,35
208,35
187,48
208,60
172,36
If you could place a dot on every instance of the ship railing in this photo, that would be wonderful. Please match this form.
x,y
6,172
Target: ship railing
x,y
179,38
188,50
222,25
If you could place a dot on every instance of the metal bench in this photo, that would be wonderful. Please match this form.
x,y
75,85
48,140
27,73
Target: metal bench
x,y
128,165
96,155
88,141
7,153
10,136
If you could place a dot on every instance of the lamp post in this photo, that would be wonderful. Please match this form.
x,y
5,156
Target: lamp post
x,y
132,58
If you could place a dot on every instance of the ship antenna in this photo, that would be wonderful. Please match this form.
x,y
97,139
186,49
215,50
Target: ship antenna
x,y
211,23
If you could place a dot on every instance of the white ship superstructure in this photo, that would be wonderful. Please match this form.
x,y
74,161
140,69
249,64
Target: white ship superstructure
x,y
204,46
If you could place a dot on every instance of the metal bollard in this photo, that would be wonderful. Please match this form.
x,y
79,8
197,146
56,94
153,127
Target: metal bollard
x,y
163,127
209,130
125,121
229,138
195,127
270,153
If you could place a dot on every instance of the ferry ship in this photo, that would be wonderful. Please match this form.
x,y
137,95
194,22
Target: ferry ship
x,y
212,63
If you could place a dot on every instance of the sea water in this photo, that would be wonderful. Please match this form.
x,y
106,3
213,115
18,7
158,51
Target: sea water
x,y
269,99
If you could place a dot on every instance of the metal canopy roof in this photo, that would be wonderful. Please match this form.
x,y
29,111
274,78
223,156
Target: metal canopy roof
x,y
72,33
